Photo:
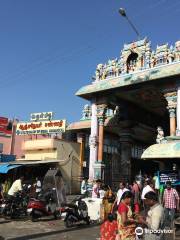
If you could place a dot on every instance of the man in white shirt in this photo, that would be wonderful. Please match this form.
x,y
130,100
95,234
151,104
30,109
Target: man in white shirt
x,y
147,188
155,217
16,187
120,192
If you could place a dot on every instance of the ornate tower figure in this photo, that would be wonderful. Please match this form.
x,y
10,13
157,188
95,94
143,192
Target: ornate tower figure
x,y
177,51
86,113
162,54
171,54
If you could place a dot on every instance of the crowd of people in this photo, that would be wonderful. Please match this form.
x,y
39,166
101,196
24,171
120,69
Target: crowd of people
x,y
17,186
144,203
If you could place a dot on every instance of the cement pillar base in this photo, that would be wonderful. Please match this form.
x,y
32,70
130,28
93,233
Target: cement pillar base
x,y
99,170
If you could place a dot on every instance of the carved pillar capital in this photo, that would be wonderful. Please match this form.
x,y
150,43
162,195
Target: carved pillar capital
x,y
101,120
101,110
172,112
171,99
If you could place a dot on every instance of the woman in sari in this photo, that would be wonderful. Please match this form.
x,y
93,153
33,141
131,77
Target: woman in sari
x,y
126,223
108,201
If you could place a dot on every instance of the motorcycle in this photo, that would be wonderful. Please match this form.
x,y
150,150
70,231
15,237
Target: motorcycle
x,y
76,212
44,205
15,207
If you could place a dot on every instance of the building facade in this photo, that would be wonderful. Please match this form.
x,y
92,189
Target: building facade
x,y
141,91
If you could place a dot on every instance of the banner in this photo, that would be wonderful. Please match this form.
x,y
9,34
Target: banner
x,y
42,128
5,126
171,176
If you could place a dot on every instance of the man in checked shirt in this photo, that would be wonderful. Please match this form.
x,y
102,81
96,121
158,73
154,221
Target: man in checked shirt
x,y
170,202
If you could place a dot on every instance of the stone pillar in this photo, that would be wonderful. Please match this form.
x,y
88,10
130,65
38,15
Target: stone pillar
x,y
93,140
172,115
172,104
126,154
80,139
100,139
99,165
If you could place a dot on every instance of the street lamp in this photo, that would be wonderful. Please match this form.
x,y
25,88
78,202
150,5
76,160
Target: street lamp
x,y
122,12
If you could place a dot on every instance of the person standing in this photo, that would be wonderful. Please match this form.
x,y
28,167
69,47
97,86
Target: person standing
x,y
147,188
156,183
155,217
170,202
96,188
16,187
84,185
108,201
109,228
126,222
136,193
38,186
122,189
1,191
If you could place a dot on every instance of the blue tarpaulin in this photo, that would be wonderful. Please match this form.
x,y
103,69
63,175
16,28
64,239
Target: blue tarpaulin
x,y
7,158
4,168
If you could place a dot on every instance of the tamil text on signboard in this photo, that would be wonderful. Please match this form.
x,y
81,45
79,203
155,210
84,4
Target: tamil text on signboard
x,y
44,127
42,116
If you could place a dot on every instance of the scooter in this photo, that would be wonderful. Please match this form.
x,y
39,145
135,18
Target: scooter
x,y
44,205
76,213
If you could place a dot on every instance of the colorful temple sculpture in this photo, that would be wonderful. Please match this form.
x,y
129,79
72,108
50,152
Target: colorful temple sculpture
x,y
136,57
130,97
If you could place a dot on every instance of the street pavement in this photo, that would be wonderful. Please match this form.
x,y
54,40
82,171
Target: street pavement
x,y
46,230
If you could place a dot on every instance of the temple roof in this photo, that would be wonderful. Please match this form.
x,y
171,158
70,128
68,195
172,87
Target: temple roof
x,y
160,72
137,64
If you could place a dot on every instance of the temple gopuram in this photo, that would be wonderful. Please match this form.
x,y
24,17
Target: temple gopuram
x,y
134,102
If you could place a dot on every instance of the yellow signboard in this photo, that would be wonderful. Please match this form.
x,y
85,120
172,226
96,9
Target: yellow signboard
x,y
44,127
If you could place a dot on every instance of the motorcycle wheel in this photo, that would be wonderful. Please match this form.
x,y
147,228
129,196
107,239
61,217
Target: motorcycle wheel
x,y
68,223
34,217
57,215
88,221
14,213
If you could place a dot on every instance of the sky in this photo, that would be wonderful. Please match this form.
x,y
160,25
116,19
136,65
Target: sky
x,y
50,48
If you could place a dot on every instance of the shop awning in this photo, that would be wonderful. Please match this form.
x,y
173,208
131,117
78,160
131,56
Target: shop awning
x,y
4,168
162,150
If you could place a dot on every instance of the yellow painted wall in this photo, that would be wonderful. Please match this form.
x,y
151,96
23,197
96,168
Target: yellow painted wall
x,y
41,154
67,152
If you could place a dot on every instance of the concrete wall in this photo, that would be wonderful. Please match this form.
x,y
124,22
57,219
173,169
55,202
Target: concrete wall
x,y
70,167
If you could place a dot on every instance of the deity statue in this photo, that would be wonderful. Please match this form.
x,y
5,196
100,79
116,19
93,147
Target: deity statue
x,y
122,64
109,68
117,68
99,71
153,60
171,54
177,51
160,135
104,73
